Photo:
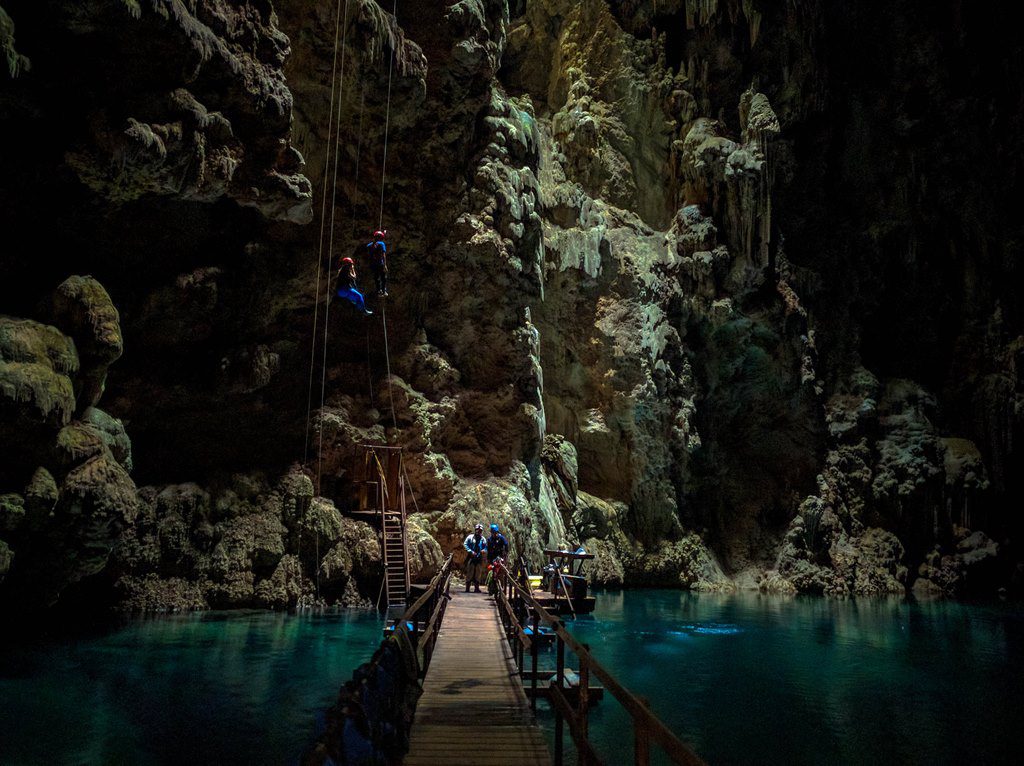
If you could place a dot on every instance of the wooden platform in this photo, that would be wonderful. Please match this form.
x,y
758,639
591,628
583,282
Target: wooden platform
x,y
473,708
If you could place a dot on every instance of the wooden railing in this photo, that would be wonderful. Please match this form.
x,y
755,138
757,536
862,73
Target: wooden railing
x,y
422,620
353,728
518,609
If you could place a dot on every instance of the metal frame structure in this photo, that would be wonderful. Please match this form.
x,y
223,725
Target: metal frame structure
x,y
385,464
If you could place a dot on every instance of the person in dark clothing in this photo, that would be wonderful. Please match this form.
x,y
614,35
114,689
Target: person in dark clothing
x,y
497,548
377,251
476,546
347,285
497,545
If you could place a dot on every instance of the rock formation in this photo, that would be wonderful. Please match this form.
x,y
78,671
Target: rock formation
x,y
678,280
61,524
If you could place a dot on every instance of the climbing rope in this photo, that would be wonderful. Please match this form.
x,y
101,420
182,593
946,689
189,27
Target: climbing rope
x,y
330,249
369,367
334,120
380,218
387,123
323,219
387,359
359,154
359,143
408,482
385,494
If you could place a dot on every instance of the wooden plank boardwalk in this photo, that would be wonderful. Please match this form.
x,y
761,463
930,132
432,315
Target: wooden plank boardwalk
x,y
473,708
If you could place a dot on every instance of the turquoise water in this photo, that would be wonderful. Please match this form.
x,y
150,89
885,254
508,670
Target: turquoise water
x,y
745,679
212,688
754,679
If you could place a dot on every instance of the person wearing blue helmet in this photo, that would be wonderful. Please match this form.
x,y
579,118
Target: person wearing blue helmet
x,y
497,545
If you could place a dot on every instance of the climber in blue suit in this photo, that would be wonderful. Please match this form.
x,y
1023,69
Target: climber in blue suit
x,y
347,285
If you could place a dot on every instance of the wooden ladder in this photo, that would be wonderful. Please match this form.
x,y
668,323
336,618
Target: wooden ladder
x,y
396,565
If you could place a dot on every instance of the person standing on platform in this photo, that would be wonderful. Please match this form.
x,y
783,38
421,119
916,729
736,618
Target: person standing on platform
x,y
497,548
476,546
497,545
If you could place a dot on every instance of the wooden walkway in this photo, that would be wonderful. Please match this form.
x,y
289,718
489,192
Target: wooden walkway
x,y
473,708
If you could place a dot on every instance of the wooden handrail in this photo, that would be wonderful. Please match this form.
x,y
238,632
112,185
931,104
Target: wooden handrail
x,y
418,604
646,725
577,728
506,606
437,592
401,688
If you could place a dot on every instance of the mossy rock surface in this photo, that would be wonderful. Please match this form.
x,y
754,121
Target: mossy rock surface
x,y
37,364
82,308
78,442
12,512
40,494
152,593
112,432
6,559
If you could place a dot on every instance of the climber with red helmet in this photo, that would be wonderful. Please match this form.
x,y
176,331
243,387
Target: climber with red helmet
x,y
347,285
377,251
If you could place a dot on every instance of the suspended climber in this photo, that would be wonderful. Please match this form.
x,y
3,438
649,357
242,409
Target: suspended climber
x,y
376,252
348,286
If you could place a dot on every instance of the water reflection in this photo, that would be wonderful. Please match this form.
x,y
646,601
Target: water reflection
x,y
752,678
208,688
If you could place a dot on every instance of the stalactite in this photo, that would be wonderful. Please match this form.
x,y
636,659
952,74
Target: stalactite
x,y
754,20
700,12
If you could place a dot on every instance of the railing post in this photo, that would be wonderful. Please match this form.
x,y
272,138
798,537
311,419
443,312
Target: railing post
x,y
583,713
534,654
520,613
502,611
559,682
641,740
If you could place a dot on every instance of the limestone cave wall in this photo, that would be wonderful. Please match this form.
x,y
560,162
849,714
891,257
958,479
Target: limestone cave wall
x,y
726,290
